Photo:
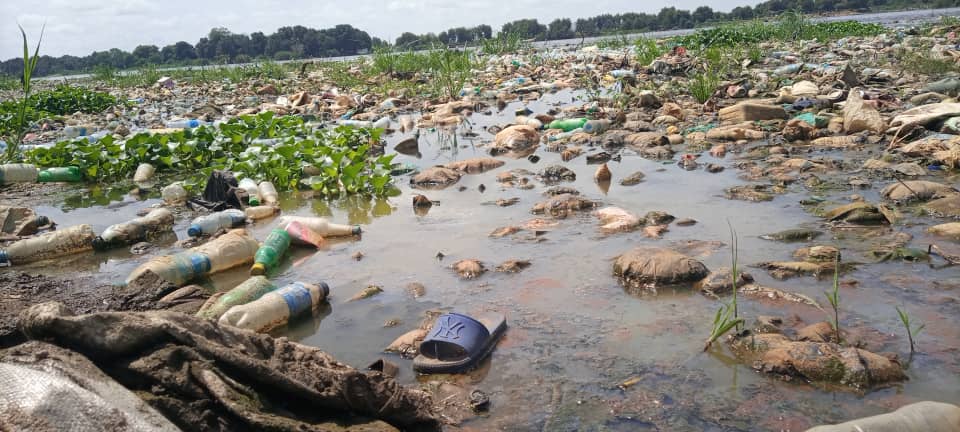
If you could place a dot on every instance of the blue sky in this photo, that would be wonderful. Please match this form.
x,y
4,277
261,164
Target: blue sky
x,y
79,27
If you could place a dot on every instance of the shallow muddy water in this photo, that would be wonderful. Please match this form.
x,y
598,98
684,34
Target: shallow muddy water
x,y
574,333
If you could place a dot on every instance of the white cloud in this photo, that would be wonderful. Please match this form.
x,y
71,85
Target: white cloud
x,y
79,27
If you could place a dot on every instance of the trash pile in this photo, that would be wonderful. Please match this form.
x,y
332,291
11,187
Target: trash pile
x,y
871,142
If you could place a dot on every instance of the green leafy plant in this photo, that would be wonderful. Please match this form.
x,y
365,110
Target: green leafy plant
x,y
283,150
734,269
647,50
66,99
834,298
723,322
503,44
12,152
912,331
703,85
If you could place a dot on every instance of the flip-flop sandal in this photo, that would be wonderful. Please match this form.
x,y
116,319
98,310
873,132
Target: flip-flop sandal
x,y
457,343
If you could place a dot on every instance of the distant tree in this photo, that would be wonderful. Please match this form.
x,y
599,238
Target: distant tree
x,y
525,28
560,28
703,14
147,54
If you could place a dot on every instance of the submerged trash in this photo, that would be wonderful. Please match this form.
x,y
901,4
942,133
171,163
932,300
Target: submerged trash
x,y
137,230
49,245
276,308
212,223
230,250
270,252
248,291
320,226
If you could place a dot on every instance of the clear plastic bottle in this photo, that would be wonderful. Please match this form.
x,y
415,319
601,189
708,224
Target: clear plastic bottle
x,y
253,194
248,291
230,250
184,124
276,308
137,230
49,245
61,174
18,173
268,193
382,123
269,254
356,123
596,126
529,121
321,226
76,131
260,212
211,223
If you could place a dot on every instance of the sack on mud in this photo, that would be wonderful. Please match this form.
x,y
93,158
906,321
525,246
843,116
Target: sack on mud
x,y
924,416
206,377
43,385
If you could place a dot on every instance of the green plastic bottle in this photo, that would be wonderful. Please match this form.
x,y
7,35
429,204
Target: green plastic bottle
x,y
62,174
567,125
248,291
269,254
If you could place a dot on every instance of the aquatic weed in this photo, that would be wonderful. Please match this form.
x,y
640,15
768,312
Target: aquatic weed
x,y
912,332
647,50
834,298
703,85
22,124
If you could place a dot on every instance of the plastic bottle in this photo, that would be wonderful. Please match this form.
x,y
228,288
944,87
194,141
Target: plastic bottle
x,y
268,193
276,308
622,73
18,173
269,254
383,123
260,212
253,195
184,124
248,291
49,245
232,249
174,194
76,131
136,230
301,235
61,174
320,226
567,125
144,173
211,223
596,126
529,121
356,123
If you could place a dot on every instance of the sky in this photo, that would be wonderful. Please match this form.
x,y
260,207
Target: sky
x,y
79,27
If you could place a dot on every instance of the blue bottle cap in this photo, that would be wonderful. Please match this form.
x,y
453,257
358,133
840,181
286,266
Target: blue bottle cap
x,y
356,230
194,230
325,288
4,259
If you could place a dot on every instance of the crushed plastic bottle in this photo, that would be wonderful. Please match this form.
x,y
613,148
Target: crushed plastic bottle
x,y
529,121
622,73
49,245
270,253
382,123
62,174
232,249
356,123
320,226
301,235
18,173
248,291
137,230
277,308
260,212
268,193
211,223
253,194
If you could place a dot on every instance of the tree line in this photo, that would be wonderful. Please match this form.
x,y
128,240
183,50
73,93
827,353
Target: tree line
x,y
299,42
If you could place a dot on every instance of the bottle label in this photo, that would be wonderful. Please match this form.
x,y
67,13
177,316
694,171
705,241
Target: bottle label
x,y
297,297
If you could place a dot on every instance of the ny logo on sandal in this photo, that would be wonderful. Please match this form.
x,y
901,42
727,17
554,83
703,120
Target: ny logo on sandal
x,y
448,330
